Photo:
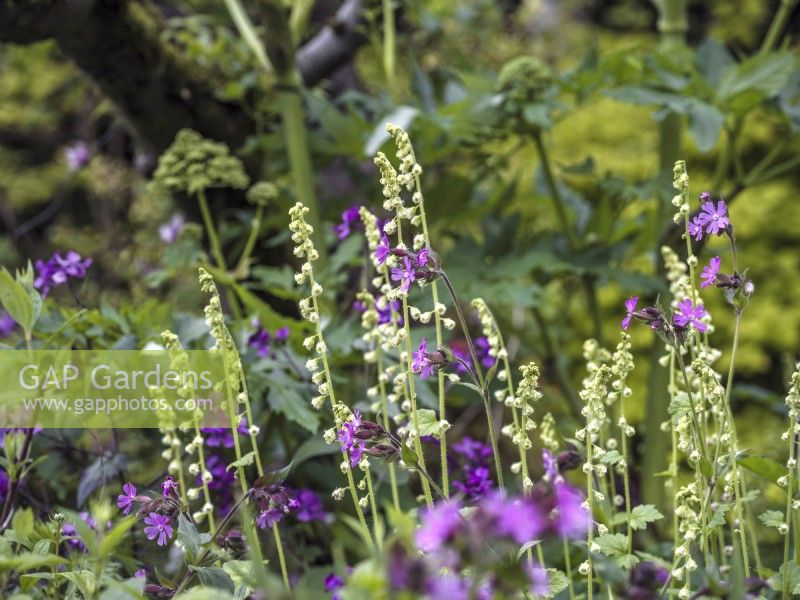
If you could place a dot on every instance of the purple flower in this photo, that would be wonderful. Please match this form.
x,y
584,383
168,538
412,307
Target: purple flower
x,y
170,231
472,450
158,526
6,324
482,349
348,440
695,230
572,519
260,341
423,256
447,585
383,249
126,499
420,363
77,155
309,506
713,218
705,197
140,573
388,310
222,482
169,486
333,583
349,216
58,270
405,275
269,517
710,271
550,465
540,583
689,315
69,529
4,481
515,518
438,525
630,308
282,334
477,482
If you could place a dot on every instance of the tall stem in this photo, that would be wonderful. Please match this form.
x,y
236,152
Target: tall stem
x,y
734,446
389,45
777,26
481,381
216,248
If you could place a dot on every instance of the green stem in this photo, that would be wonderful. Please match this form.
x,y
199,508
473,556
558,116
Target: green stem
x,y
281,559
555,194
296,139
734,446
426,489
389,44
373,506
590,500
789,497
481,381
216,247
255,228
777,26
385,408
568,567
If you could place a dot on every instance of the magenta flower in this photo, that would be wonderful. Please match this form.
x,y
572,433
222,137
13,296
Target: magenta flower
x,y
282,334
333,583
421,364
349,216
404,275
572,519
713,218
158,526
439,524
140,573
126,499
58,270
515,518
710,272
689,315
169,485
630,307
383,249
78,156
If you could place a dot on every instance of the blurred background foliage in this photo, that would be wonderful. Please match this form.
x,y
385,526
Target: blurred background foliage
x,y
625,98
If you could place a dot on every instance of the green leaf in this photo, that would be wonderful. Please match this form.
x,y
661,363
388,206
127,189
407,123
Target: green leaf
x,y
16,301
643,514
408,456
705,123
22,523
214,577
765,467
614,545
114,537
98,473
772,518
611,457
628,561
557,582
718,518
766,73
189,538
429,424
245,461
789,570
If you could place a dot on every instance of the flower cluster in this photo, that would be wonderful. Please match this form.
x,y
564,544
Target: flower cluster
x,y
470,464
273,502
260,339
158,512
350,217
711,220
58,270
358,437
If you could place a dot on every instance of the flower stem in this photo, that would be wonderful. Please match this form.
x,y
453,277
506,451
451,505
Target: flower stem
x,y
481,381
281,559
385,408
373,506
216,247
426,489
255,228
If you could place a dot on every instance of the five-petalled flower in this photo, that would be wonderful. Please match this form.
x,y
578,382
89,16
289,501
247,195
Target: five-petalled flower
x,y
710,272
689,315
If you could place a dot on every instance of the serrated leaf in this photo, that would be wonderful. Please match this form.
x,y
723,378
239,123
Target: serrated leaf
x,y
718,518
557,582
790,570
614,545
429,424
643,514
628,561
772,518
611,457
